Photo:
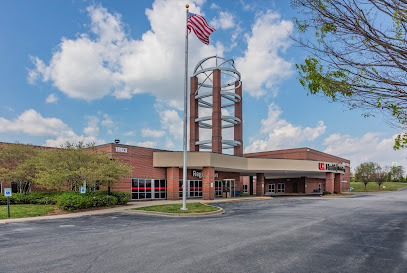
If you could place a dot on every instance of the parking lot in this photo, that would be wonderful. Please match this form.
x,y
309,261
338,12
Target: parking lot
x,y
367,233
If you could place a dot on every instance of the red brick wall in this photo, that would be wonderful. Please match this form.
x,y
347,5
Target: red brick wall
x,y
245,180
313,184
139,159
172,183
238,128
307,154
216,113
208,183
300,182
338,183
329,183
260,184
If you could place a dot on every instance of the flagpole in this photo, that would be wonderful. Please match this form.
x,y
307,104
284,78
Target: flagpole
x,y
184,166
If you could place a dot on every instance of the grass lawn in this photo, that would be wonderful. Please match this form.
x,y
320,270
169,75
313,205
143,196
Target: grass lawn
x,y
372,186
20,211
176,208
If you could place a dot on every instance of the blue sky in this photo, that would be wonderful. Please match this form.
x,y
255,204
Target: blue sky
x,y
104,70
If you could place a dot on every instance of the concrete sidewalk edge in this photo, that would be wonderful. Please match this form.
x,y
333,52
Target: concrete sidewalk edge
x,y
122,209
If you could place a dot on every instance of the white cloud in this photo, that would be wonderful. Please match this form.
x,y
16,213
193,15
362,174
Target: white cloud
x,y
169,144
92,129
146,144
145,132
8,108
171,121
115,64
246,6
214,6
73,138
369,147
225,21
32,123
51,98
130,133
107,121
276,133
261,67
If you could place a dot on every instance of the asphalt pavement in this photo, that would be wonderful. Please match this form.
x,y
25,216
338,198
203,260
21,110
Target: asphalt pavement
x,y
367,233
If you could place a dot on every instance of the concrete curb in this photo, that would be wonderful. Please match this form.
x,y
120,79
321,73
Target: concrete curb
x,y
62,216
236,200
219,211
124,210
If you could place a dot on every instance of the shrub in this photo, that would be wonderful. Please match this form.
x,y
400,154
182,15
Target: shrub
x,y
326,192
122,197
40,198
72,201
335,192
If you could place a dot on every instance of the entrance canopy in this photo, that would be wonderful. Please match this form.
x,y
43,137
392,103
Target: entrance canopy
x,y
272,168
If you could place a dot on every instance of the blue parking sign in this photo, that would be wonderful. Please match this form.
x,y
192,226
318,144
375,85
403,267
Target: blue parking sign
x,y
7,192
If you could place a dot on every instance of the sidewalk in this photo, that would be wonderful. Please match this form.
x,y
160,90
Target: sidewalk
x,y
125,209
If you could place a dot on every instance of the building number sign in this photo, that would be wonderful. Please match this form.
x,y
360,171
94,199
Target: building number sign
x,y
121,150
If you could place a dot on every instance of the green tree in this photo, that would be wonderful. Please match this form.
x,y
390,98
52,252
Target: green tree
x,y
72,164
17,164
396,174
381,175
359,55
111,171
366,172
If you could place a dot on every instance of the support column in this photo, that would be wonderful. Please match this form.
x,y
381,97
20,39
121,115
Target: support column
x,y
260,184
329,183
193,114
208,183
216,113
250,185
238,131
173,183
338,183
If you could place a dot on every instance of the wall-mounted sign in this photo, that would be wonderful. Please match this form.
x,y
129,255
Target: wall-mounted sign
x,y
330,167
7,192
200,174
121,150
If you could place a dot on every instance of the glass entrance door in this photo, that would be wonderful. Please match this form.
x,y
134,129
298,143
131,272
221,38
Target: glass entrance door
x,y
194,188
225,188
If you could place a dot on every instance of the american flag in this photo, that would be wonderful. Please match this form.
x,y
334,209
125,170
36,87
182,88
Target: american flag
x,y
200,27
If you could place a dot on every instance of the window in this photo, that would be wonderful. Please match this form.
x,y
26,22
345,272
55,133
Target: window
x,y
160,189
14,187
272,188
245,188
194,188
148,189
281,187
218,188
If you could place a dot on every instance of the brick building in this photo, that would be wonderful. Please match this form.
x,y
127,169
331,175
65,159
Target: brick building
x,y
157,174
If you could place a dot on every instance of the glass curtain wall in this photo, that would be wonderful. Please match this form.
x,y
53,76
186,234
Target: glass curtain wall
x,y
148,189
